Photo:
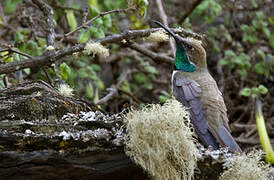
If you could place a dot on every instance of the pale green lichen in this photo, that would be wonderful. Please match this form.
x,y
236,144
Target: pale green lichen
x,y
160,140
248,166
65,90
96,49
50,48
158,36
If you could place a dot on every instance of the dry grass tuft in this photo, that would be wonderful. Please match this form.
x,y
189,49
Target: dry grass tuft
x,y
248,167
160,140
158,36
96,49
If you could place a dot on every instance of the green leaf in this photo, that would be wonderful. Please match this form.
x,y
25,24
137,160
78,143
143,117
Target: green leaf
x,y
32,48
150,69
107,21
223,62
96,32
18,37
140,78
83,36
11,6
93,11
142,6
65,71
266,31
271,20
229,54
71,19
262,89
261,54
148,85
100,84
82,73
271,41
254,3
96,67
125,86
16,57
163,98
245,92
259,68
98,22
254,92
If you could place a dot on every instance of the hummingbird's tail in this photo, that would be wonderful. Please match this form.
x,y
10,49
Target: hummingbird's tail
x,y
207,138
226,139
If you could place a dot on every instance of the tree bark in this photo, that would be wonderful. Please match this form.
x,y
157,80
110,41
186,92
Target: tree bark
x,y
44,135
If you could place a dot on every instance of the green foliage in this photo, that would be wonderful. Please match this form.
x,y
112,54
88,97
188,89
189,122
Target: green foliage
x,y
11,5
240,62
249,34
208,10
1,81
254,92
97,29
265,66
140,5
271,41
65,71
71,19
258,24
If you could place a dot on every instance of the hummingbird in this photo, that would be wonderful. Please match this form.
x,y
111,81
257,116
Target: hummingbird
x,y
195,88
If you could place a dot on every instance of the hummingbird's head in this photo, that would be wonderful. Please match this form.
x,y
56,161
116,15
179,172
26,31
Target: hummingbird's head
x,y
195,51
190,53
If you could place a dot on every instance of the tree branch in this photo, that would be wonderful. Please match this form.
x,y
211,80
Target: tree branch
x,y
48,12
50,57
151,54
112,92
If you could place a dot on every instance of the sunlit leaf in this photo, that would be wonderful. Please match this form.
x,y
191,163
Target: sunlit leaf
x,y
71,19
65,71
11,6
150,69
245,92
261,54
140,77
83,36
262,89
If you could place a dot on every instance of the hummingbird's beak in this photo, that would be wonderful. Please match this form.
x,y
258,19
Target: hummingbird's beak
x,y
168,30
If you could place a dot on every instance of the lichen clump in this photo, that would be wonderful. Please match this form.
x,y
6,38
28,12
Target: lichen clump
x,y
158,36
247,166
96,49
160,140
65,90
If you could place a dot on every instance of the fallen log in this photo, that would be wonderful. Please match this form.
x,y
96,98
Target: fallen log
x,y
44,135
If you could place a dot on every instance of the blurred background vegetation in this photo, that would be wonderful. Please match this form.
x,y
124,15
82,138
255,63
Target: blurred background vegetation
x,y
238,37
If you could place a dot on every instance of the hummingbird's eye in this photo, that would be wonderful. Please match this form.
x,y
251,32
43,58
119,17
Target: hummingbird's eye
x,y
189,47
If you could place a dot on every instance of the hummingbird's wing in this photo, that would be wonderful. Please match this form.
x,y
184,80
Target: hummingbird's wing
x,y
215,112
188,92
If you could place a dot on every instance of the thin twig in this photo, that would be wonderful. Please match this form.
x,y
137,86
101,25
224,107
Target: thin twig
x,y
164,19
48,12
101,14
112,92
151,54
15,51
